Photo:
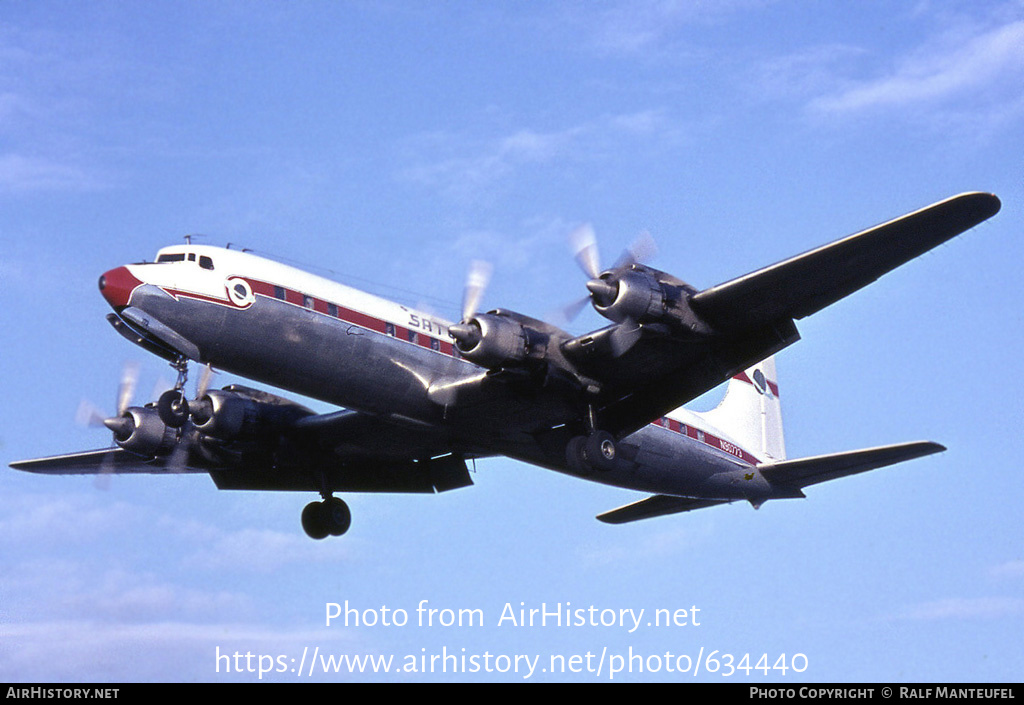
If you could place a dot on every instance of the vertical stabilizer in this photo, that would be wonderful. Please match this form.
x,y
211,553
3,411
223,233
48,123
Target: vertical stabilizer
x,y
751,412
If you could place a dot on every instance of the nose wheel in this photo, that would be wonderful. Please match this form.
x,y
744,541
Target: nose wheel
x,y
330,517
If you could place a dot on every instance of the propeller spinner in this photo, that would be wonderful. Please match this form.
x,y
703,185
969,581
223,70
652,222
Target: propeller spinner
x,y
604,285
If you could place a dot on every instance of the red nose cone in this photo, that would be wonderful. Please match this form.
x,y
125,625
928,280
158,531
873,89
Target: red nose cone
x,y
117,286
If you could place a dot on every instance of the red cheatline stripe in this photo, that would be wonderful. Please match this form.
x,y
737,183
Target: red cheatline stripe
x,y
354,317
707,439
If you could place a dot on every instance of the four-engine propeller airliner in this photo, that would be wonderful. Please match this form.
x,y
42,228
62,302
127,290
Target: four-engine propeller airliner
x,y
419,396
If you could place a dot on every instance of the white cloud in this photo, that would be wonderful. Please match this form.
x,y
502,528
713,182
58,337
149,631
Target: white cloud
x,y
263,551
629,27
941,71
21,174
1009,569
467,168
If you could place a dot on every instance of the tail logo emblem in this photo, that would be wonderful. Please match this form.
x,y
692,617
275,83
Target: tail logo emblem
x,y
760,383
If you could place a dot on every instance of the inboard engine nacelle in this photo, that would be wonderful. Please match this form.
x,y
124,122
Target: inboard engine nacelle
x,y
639,294
492,340
229,415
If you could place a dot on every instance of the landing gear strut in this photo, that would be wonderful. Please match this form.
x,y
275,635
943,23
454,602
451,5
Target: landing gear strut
x,y
330,517
172,405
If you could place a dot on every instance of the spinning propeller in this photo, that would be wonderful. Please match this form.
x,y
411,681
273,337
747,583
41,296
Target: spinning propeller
x,y
467,332
604,285
142,430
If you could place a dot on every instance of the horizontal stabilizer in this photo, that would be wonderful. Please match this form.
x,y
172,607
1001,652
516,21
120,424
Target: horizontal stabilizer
x,y
794,474
787,478
656,506
802,285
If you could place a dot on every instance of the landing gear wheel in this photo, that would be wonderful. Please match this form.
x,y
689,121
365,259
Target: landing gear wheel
x,y
328,518
172,408
337,516
597,451
313,521
574,456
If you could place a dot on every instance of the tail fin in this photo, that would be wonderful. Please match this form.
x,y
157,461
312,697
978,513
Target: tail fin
x,y
751,412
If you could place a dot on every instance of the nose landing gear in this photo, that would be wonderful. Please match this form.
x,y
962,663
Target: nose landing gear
x,y
331,517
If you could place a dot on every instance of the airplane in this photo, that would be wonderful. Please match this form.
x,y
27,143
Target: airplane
x,y
417,396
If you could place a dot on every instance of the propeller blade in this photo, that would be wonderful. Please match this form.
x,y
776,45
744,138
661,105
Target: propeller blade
x,y
477,279
624,337
584,244
126,389
178,458
643,249
89,415
102,480
204,381
567,314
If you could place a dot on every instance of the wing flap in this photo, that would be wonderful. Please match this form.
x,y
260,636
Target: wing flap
x,y
802,285
811,471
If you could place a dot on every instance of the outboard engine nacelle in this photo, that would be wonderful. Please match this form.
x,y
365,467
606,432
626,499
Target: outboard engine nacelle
x,y
139,430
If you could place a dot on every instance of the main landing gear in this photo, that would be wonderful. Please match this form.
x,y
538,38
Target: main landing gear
x,y
596,451
172,405
331,517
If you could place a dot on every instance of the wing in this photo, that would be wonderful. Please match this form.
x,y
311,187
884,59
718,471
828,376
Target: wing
x,y
355,452
342,451
108,460
722,330
802,285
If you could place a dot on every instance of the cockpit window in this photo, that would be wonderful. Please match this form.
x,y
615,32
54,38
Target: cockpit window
x,y
204,261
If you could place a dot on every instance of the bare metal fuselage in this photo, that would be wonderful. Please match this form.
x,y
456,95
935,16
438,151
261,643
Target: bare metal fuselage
x,y
393,371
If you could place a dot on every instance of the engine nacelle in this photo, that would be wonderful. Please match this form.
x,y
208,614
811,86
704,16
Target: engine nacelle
x,y
491,341
633,295
240,413
139,430
228,415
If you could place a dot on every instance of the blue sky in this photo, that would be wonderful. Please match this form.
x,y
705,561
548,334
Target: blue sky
x,y
394,142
